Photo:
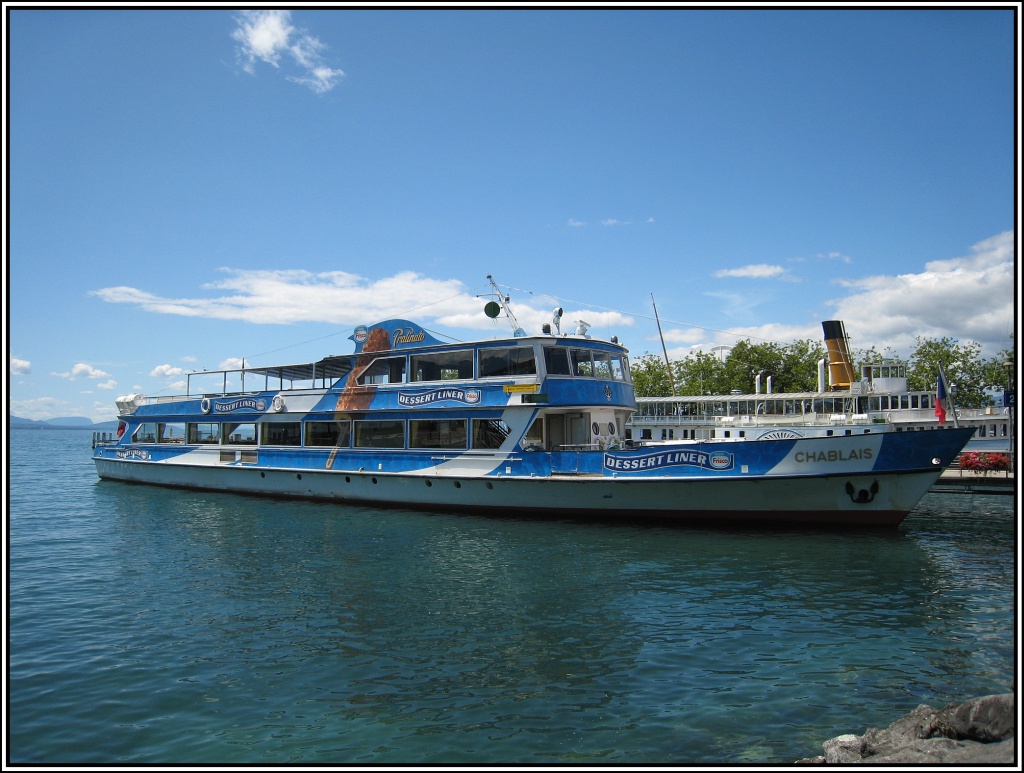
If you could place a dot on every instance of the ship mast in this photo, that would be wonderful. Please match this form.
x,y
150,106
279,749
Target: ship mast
x,y
668,365
493,309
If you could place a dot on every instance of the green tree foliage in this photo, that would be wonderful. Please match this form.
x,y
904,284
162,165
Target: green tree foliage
x,y
969,375
794,368
650,376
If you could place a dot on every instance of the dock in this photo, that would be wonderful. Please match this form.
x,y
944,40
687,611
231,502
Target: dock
x,y
957,481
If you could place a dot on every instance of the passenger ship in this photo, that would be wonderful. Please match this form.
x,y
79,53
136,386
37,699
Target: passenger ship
x,y
880,400
524,424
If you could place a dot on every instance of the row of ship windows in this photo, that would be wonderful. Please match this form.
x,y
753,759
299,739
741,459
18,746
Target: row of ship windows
x,y
494,363
425,433
786,407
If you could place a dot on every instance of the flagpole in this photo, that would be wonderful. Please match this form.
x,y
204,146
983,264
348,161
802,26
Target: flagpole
x,y
944,387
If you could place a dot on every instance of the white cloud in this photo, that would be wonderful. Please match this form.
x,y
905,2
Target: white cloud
x,y
266,36
835,256
165,371
575,223
754,271
967,298
39,408
340,298
19,367
82,370
111,384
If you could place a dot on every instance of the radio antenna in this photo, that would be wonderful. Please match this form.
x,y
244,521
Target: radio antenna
x,y
493,309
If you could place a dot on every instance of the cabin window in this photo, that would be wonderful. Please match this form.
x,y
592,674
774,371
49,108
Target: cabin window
x,y
380,434
328,433
602,366
281,433
384,370
204,432
513,361
915,401
581,362
556,361
146,433
619,367
534,438
171,432
442,366
243,434
440,433
489,433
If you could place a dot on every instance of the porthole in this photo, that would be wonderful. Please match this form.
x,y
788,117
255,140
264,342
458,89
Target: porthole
x,y
430,483
299,476
348,479
458,485
263,475
490,485
373,481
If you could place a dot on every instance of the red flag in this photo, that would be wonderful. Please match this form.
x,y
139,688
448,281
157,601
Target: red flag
x,y
940,396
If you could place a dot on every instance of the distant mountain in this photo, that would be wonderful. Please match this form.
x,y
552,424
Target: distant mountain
x,y
71,421
66,422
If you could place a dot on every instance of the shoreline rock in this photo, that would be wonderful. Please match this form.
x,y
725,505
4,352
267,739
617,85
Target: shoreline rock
x,y
979,731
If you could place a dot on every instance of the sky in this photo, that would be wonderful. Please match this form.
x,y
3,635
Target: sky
x,y
187,188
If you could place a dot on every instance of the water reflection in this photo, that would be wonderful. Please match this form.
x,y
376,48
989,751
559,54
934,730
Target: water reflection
x,y
404,636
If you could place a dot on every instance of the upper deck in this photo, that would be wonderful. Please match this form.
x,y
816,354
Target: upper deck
x,y
397,365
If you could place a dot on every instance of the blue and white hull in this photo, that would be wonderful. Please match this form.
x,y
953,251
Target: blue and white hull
x,y
823,481
523,425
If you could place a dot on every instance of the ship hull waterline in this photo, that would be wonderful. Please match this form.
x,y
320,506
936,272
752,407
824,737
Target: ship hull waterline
x,y
876,498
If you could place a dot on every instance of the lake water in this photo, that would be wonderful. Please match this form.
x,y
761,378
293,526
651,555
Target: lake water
x,y
152,626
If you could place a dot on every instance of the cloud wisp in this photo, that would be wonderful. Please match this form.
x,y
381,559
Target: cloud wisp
x,y
268,36
754,271
19,367
82,370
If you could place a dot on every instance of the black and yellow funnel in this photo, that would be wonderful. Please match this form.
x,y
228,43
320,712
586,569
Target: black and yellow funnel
x,y
840,367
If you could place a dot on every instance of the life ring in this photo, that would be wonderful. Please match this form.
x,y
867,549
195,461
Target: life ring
x,y
205,405
277,404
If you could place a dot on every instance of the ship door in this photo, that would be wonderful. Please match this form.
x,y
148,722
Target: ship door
x,y
578,426
568,429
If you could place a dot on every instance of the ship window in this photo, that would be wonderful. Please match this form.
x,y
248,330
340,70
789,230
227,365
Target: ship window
x,y
904,401
146,433
441,366
203,432
513,361
581,363
384,370
171,432
240,434
441,433
380,434
556,361
915,401
328,433
489,433
602,366
281,433
619,368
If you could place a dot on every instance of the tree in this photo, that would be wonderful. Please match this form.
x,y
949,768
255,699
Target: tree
x,y
700,373
966,373
650,377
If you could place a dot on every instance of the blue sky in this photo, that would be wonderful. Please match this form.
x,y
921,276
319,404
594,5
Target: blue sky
x,y
188,187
